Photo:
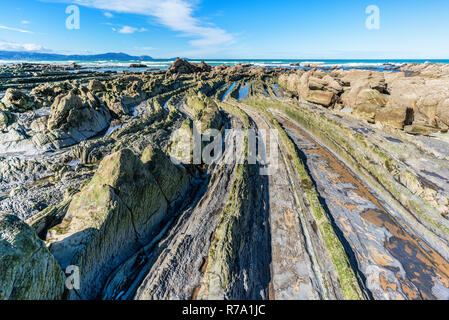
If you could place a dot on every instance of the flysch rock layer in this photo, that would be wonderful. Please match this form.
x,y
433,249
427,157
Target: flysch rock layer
x,y
28,271
94,174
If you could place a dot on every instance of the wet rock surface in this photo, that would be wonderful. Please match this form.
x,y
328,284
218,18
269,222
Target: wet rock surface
x,y
355,207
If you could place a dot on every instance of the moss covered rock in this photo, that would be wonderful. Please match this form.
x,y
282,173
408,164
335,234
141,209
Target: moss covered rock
x,y
205,111
28,271
16,101
5,118
173,179
118,212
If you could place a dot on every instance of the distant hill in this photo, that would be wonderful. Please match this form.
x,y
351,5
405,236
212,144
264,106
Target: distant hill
x,y
22,55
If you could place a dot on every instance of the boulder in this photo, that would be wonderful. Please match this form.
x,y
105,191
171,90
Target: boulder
x,y
324,98
429,99
371,96
28,271
366,111
117,213
204,67
40,124
291,81
332,84
182,66
122,105
394,117
363,87
317,83
181,143
205,111
312,87
16,101
123,94
75,117
46,93
422,130
442,112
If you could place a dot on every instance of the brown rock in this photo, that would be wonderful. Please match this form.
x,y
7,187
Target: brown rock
x,y
182,66
394,117
371,96
366,111
323,98
416,129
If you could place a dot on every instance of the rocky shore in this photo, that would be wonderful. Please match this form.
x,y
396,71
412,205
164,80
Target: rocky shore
x,y
356,208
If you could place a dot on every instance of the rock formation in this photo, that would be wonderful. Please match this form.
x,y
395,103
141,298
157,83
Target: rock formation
x,y
389,98
75,117
28,271
16,101
96,172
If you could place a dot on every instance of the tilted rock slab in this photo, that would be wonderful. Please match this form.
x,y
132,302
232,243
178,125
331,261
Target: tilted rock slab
x,y
28,271
114,216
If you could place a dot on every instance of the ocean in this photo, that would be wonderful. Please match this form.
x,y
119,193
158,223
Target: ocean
x,y
164,64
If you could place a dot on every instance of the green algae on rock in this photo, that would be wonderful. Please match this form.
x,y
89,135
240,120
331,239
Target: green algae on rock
x,y
28,271
110,219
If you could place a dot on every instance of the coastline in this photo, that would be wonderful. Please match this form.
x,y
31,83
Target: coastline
x,y
164,64
85,150
72,70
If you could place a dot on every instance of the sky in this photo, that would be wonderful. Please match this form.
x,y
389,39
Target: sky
x,y
232,29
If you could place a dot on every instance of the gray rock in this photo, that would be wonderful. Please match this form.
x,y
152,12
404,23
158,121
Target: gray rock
x,y
28,271
16,101
75,117
118,212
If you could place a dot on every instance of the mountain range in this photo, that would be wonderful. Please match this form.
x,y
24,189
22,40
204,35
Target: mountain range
x,y
23,55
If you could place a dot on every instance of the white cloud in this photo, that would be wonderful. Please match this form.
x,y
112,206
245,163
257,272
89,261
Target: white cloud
x,y
25,22
130,30
127,30
108,15
15,29
13,46
178,15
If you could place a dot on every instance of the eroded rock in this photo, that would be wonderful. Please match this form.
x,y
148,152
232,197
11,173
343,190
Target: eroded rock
x,y
75,117
120,210
16,101
28,271
172,179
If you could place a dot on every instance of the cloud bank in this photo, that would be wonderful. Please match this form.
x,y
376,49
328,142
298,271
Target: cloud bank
x,y
13,46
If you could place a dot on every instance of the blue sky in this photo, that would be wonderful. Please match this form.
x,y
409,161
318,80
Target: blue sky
x,y
230,29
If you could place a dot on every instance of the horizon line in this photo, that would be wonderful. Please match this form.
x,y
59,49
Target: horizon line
x,y
215,58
